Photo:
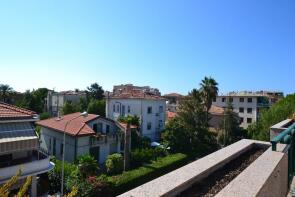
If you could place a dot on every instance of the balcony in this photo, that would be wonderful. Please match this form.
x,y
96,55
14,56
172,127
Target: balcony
x,y
266,175
38,162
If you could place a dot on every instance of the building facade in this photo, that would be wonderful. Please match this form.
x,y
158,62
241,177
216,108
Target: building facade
x,y
19,147
56,100
149,107
248,104
173,100
94,135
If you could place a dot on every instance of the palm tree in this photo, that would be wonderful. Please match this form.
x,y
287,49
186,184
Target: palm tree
x,y
209,91
5,90
87,165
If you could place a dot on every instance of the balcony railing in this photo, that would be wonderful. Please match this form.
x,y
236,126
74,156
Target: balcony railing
x,y
287,137
36,163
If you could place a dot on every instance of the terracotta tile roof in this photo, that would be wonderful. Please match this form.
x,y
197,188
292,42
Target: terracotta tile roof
x,y
12,112
216,110
170,114
76,127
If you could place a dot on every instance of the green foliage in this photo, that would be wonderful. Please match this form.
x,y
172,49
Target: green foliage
x,y
115,163
94,92
188,132
133,120
141,156
97,107
44,115
34,100
283,109
69,108
231,131
87,166
5,91
54,175
138,141
133,178
209,91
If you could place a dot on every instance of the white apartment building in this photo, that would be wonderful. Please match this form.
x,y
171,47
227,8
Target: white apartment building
x,y
92,134
248,104
150,108
56,100
19,147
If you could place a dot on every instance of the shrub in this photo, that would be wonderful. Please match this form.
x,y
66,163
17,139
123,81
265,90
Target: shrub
x,y
133,178
140,156
115,163
87,165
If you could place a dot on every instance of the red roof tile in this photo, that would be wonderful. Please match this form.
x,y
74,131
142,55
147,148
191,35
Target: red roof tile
x,y
77,125
124,126
170,115
216,110
12,112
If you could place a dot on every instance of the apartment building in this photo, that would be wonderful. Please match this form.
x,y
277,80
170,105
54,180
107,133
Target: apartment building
x,y
56,100
123,88
19,147
173,100
88,134
248,104
149,107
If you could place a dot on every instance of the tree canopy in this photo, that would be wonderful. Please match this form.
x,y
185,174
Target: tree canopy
x,y
95,91
280,111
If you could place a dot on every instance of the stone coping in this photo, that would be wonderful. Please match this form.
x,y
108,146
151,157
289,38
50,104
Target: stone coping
x,y
179,180
256,179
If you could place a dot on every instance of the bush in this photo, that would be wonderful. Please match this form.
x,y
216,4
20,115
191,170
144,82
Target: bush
x,y
54,175
115,163
140,156
139,176
87,166
44,115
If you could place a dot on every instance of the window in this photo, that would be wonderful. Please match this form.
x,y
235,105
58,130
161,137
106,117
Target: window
x,y
61,148
123,110
160,123
114,108
94,127
241,100
107,128
118,108
241,120
49,146
149,110
160,109
249,100
149,126
249,120
54,146
231,100
223,99
241,110
128,109
99,127
249,110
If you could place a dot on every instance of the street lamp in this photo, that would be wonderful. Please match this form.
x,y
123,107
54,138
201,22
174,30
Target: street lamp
x,y
84,114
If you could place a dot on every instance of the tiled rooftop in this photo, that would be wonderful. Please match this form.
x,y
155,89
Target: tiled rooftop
x,y
12,112
76,127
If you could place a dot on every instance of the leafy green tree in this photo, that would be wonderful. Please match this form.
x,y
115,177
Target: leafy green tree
x,y
34,100
44,115
280,111
5,91
192,123
95,91
133,120
87,166
231,131
97,107
209,91
115,163
69,108
83,104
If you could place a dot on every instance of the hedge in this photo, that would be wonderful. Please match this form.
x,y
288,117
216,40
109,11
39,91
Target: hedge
x,y
133,178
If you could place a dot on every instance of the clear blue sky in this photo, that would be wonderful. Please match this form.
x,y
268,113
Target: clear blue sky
x,y
171,45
